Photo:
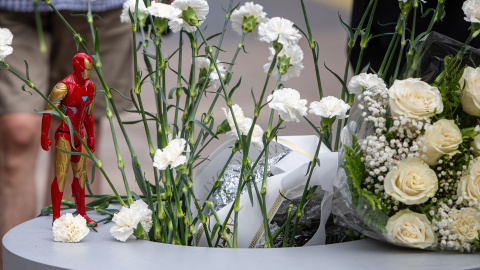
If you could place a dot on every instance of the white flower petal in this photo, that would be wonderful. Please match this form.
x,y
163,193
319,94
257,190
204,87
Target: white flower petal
x,y
279,29
201,9
6,38
295,54
288,104
69,229
330,107
247,10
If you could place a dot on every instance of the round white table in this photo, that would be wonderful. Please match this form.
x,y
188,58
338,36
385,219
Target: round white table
x,y
30,246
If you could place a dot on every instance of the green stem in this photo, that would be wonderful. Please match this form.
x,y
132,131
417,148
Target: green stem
x,y
38,23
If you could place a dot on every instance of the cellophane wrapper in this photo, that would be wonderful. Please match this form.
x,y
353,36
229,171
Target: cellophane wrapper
x,y
354,211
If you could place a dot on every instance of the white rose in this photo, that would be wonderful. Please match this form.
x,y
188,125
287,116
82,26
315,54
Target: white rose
x,y
475,144
471,8
330,107
466,223
414,98
441,138
410,229
69,229
470,83
469,186
288,104
363,81
412,182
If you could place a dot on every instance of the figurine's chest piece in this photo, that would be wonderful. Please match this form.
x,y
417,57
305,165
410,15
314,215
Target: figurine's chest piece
x,y
79,97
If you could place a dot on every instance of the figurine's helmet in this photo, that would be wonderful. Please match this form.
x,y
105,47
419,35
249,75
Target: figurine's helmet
x,y
82,65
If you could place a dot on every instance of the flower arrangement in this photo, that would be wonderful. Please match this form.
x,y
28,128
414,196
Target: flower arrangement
x,y
169,210
408,161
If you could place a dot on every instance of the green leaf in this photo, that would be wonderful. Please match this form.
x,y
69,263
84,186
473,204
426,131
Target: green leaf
x,y
137,170
27,70
250,193
336,76
75,153
345,26
204,127
235,88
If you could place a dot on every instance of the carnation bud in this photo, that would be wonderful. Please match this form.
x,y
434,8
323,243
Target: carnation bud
x,y
160,25
190,16
283,64
327,123
223,128
404,6
277,46
140,233
249,23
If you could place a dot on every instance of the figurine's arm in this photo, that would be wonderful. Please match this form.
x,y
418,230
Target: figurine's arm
x,y
89,126
56,96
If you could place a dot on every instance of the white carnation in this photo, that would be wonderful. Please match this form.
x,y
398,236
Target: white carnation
x,y
295,54
201,9
471,8
280,30
288,104
257,137
5,42
171,155
164,11
204,63
244,124
129,7
363,81
69,229
248,10
330,107
126,221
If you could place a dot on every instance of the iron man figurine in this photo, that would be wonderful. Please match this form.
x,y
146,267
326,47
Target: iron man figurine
x,y
75,97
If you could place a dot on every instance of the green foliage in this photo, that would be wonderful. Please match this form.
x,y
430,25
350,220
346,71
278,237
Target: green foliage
x,y
368,204
450,89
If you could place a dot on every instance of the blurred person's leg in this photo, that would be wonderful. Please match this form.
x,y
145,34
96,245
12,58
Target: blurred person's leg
x,y
19,124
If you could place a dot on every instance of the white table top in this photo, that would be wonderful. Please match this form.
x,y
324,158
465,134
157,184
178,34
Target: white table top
x,y
30,246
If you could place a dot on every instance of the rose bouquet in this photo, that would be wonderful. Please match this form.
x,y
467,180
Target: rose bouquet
x,y
410,159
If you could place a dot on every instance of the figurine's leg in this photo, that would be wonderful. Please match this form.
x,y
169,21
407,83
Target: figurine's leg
x,y
78,185
62,161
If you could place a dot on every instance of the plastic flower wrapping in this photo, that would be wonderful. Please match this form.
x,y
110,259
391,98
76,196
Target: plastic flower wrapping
x,y
409,170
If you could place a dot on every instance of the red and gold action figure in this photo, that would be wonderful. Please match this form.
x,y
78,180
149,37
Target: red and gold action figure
x,y
75,97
